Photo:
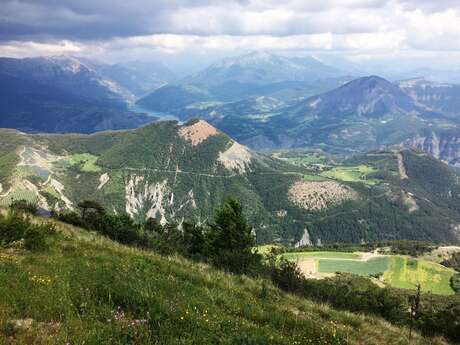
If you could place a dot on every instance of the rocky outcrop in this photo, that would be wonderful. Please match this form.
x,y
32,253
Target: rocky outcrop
x,y
441,145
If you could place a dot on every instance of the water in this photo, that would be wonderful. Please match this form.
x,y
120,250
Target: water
x,y
162,116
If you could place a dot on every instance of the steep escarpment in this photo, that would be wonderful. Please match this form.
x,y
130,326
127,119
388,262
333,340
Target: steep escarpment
x,y
441,144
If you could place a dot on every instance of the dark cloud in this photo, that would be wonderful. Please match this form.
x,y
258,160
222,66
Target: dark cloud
x,y
105,19
90,19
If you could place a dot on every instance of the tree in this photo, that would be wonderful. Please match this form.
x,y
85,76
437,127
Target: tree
x,y
89,207
194,238
231,240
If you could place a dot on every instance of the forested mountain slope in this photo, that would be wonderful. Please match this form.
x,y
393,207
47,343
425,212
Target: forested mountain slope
x,y
172,172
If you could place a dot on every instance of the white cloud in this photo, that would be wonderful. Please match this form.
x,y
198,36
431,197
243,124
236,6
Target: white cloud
x,y
117,29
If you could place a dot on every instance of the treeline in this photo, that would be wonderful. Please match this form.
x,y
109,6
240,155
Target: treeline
x,y
395,247
226,242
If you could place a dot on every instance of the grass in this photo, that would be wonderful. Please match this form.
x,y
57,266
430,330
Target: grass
x,y
307,159
406,273
319,255
351,174
311,177
87,162
362,268
88,290
266,249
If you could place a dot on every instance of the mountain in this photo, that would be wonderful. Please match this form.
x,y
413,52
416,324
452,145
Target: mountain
x,y
443,144
61,94
251,75
173,172
172,98
264,68
138,78
365,113
433,74
442,97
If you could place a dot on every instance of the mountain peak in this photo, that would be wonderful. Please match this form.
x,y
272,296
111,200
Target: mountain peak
x,y
368,96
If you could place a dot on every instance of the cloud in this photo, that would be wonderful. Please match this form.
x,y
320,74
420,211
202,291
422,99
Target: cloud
x,y
209,29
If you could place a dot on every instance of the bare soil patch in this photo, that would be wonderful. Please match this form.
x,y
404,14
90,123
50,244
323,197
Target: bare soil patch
x,y
198,132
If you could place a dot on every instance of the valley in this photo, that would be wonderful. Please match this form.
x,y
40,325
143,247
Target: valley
x,y
244,172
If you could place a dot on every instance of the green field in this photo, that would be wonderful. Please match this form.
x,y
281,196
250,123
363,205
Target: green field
x,y
362,268
87,162
307,159
319,255
398,271
406,273
351,174
311,177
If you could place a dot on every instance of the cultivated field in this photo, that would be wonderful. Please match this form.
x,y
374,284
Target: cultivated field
x,y
396,271
351,174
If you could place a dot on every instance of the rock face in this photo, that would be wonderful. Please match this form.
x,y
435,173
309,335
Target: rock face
x,y
442,97
442,145
237,158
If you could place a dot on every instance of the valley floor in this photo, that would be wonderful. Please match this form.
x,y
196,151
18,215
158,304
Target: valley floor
x,y
395,271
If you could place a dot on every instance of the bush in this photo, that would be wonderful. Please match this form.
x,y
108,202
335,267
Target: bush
x,y
288,277
17,227
24,206
455,282
35,237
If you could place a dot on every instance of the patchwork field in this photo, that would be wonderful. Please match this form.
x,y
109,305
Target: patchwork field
x,y
395,271
406,273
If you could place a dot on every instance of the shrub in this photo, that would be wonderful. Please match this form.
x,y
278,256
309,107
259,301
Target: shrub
x,y
24,206
35,237
17,227
288,277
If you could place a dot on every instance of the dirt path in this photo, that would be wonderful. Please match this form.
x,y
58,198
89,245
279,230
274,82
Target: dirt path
x,y
401,167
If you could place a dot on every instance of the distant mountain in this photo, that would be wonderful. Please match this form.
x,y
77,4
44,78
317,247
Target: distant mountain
x,y
432,74
371,97
172,98
442,97
61,94
264,68
173,172
138,78
363,114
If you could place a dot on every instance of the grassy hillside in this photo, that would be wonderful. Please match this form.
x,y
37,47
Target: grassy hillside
x,y
85,289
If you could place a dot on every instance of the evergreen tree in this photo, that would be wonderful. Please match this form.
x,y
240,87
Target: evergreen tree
x,y
231,240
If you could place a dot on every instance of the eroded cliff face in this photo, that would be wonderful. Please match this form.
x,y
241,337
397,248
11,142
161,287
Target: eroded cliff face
x,y
444,146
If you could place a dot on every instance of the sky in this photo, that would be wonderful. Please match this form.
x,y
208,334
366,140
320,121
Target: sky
x,y
188,34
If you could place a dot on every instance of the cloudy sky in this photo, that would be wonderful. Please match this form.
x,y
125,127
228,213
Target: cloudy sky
x,y
196,32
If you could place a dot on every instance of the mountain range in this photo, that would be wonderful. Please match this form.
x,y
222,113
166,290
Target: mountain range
x,y
65,94
174,172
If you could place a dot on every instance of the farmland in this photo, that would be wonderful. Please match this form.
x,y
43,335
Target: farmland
x,y
351,173
395,271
